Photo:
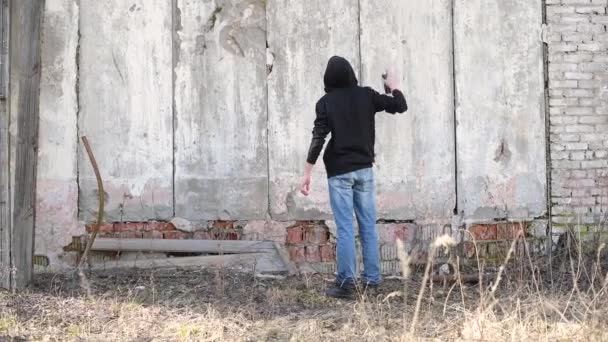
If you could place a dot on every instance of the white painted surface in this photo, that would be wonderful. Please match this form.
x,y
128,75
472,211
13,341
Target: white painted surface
x,y
302,36
126,107
414,151
501,121
221,113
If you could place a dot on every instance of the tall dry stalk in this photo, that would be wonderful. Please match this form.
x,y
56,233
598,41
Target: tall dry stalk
x,y
442,241
404,262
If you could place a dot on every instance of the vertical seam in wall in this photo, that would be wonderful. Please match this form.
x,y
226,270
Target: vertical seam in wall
x,y
545,48
455,104
359,42
173,109
77,91
268,207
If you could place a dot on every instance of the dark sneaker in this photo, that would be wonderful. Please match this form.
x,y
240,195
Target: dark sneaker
x,y
341,292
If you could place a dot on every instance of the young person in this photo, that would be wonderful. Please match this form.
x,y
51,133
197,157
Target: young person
x,y
347,111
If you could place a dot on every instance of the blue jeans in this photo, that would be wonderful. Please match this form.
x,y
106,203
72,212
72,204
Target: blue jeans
x,y
348,193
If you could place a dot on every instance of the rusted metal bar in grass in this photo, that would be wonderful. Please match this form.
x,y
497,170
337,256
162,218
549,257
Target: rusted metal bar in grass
x,y
101,192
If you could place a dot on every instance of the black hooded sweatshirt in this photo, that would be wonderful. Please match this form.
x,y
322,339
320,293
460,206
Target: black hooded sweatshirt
x,y
348,112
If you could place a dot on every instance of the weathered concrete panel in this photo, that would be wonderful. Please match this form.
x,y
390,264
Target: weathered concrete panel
x,y
501,121
126,107
221,160
415,151
57,187
302,35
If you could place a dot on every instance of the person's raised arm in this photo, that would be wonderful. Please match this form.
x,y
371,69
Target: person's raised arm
x,y
391,104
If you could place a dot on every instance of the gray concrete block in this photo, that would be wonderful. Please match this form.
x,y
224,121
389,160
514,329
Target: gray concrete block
x,y
415,151
125,93
500,111
302,36
221,159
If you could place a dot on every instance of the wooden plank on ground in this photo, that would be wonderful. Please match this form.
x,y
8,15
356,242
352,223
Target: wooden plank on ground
x,y
268,262
202,261
183,246
24,49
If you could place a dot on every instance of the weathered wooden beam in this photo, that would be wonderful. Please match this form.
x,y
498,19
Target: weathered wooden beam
x,y
5,212
24,92
260,263
185,246
230,260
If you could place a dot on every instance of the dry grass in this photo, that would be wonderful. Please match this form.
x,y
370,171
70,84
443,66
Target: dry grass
x,y
219,305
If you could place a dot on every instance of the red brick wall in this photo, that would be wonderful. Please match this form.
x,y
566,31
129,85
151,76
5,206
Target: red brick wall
x,y
308,241
491,242
312,242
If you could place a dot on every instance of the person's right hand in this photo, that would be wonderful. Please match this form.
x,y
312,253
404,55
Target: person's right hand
x,y
392,82
305,185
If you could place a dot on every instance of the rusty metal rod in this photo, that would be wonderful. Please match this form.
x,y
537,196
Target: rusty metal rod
x,y
85,142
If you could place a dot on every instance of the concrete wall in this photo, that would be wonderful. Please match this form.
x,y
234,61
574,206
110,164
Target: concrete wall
x,y
203,110
415,151
221,161
302,35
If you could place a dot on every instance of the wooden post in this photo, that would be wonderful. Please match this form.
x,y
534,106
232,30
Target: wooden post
x,y
23,103
5,212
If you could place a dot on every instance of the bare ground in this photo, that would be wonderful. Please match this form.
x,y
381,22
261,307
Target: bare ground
x,y
225,305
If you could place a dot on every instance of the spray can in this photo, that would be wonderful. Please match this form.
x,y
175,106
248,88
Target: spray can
x,y
387,90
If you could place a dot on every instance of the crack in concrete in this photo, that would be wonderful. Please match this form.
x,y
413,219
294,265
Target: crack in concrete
x,y
115,62
455,110
78,108
269,70
176,27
